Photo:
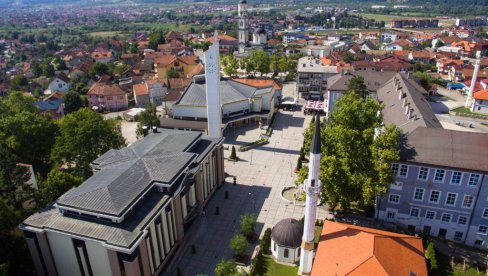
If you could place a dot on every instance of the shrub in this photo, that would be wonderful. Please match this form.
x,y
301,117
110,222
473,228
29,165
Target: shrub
x,y
226,268
247,223
239,245
430,256
233,154
265,244
299,163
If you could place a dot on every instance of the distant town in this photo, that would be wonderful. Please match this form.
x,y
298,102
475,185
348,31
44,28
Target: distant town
x,y
246,138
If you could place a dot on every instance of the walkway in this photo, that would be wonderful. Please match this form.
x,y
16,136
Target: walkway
x,y
261,173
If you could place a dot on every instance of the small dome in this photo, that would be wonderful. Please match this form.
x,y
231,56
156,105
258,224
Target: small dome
x,y
243,2
288,232
260,31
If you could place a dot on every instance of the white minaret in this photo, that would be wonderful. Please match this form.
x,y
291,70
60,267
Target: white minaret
x,y
242,25
212,86
312,188
469,99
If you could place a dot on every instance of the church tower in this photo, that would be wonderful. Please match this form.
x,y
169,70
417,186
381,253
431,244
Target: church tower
x,y
242,27
312,188
212,86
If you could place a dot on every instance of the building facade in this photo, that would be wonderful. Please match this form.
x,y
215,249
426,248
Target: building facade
x,y
131,216
243,26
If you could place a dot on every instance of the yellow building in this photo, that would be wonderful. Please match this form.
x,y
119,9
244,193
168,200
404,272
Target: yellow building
x,y
184,65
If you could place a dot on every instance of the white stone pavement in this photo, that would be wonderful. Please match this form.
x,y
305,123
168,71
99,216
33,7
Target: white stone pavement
x,y
261,174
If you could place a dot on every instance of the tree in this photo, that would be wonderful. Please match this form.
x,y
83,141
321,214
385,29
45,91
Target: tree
x,y
265,243
156,38
227,268
19,82
356,85
239,245
148,118
260,61
72,102
247,223
56,184
430,256
355,165
48,70
349,58
230,65
98,69
171,73
233,155
133,48
83,136
121,68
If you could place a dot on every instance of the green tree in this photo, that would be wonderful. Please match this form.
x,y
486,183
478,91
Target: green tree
x,y
356,85
247,223
239,245
260,60
72,102
349,58
227,268
121,68
19,82
56,184
265,243
83,136
233,155
171,73
230,65
98,69
133,48
355,165
148,118
48,70
156,38
430,256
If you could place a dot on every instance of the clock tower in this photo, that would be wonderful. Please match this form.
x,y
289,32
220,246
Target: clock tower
x,y
242,27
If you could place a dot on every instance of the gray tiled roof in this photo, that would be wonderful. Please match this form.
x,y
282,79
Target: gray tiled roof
x,y
372,79
447,148
230,92
394,111
124,175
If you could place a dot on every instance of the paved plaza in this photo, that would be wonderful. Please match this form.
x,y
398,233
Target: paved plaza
x,y
261,174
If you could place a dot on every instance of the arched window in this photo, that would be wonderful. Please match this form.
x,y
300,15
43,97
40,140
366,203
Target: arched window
x,y
274,246
286,253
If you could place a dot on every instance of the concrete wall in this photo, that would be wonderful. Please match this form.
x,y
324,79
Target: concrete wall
x,y
98,256
279,253
63,254
189,111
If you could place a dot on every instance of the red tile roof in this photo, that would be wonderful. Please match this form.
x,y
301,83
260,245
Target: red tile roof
x,y
481,95
105,89
259,83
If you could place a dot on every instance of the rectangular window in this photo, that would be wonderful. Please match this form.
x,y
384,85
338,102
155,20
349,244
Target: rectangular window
x,y
456,178
403,171
419,194
458,236
473,179
434,196
485,213
414,212
423,173
390,215
121,97
462,220
446,217
439,175
394,199
451,199
483,229
430,215
468,201
109,98
394,168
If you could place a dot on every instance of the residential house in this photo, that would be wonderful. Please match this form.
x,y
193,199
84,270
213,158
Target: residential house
x,y
312,77
52,105
368,35
421,56
480,102
103,56
444,64
134,214
399,44
227,43
182,64
131,59
151,91
60,83
106,96
169,99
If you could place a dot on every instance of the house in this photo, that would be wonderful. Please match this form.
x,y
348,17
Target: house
x,y
133,215
441,186
131,59
184,65
258,83
52,105
480,102
399,44
169,99
103,56
60,83
345,249
368,35
421,56
368,46
312,77
444,64
106,96
151,91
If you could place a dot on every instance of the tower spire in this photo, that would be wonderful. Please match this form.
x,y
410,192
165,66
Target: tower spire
x,y
212,87
469,99
312,188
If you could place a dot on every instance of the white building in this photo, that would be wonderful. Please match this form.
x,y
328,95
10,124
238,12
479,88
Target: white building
x,y
286,238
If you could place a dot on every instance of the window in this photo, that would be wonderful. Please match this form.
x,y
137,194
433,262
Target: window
x,y
109,98
473,179
121,97
482,229
468,201
403,171
286,253
414,212
395,168
423,173
446,217
394,198
439,175
458,236
462,220
485,213
451,199
430,215
419,194
478,243
427,229
456,178
390,215
434,196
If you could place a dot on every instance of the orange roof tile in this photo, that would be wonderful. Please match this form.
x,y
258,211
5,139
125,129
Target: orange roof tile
x,y
140,89
165,60
190,60
481,95
104,89
353,250
259,83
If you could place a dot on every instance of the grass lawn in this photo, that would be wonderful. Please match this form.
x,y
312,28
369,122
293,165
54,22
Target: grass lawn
x,y
269,267
485,124
317,232
103,34
462,110
445,268
388,18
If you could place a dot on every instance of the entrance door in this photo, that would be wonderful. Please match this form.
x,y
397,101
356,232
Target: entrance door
x,y
442,233
427,229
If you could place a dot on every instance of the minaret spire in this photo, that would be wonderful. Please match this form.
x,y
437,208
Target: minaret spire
x,y
212,85
469,99
312,188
